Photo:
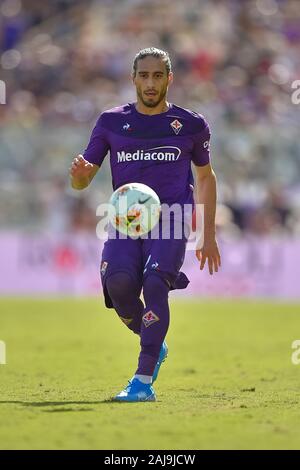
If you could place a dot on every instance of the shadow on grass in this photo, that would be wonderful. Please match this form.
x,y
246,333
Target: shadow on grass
x,y
40,404
66,410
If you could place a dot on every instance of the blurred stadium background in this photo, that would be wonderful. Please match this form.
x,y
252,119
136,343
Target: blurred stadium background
x,y
65,61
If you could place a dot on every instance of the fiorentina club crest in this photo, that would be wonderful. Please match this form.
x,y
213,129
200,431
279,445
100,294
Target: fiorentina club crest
x,y
176,126
149,318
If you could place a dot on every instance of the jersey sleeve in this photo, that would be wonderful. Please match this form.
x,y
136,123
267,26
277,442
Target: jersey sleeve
x,y
98,145
201,153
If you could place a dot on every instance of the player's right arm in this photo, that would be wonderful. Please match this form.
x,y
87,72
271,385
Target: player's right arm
x,y
84,167
82,172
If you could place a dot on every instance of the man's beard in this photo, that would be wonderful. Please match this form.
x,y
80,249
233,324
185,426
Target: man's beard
x,y
152,104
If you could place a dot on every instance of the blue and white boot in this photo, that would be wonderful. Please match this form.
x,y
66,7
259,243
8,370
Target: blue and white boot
x,y
163,354
136,391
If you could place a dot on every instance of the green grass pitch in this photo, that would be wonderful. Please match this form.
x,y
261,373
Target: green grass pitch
x,y
228,383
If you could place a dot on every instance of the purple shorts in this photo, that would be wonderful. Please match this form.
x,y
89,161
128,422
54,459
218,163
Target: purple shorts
x,y
140,257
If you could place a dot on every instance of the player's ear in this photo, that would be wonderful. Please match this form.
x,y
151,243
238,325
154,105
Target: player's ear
x,y
133,78
170,78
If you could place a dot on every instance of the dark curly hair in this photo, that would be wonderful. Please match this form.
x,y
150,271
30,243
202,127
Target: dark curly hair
x,y
153,52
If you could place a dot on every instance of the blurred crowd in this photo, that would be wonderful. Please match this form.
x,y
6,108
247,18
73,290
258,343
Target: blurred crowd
x,y
65,61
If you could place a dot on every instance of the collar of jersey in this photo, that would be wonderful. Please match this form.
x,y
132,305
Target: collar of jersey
x,y
132,105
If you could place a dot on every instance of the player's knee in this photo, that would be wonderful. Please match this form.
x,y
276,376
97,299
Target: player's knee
x,y
119,285
155,285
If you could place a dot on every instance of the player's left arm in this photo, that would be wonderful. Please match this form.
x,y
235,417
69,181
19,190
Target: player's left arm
x,y
206,194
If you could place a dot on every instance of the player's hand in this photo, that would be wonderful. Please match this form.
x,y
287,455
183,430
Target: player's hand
x,y
82,172
210,253
81,168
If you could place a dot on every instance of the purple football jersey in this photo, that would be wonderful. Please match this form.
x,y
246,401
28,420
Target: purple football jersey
x,y
154,150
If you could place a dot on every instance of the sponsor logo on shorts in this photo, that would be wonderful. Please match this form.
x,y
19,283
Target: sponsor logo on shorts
x,y
149,318
127,321
103,267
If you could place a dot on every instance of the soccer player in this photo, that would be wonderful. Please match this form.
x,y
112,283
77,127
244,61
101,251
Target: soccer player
x,y
153,142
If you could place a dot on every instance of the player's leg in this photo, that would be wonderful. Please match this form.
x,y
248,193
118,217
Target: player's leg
x,y
153,330
155,323
161,274
124,289
162,261
121,279
121,276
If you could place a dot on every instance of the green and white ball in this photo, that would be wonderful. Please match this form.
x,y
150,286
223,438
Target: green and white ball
x,y
135,209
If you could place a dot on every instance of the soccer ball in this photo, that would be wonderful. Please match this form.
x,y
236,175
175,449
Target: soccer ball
x,y
135,209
